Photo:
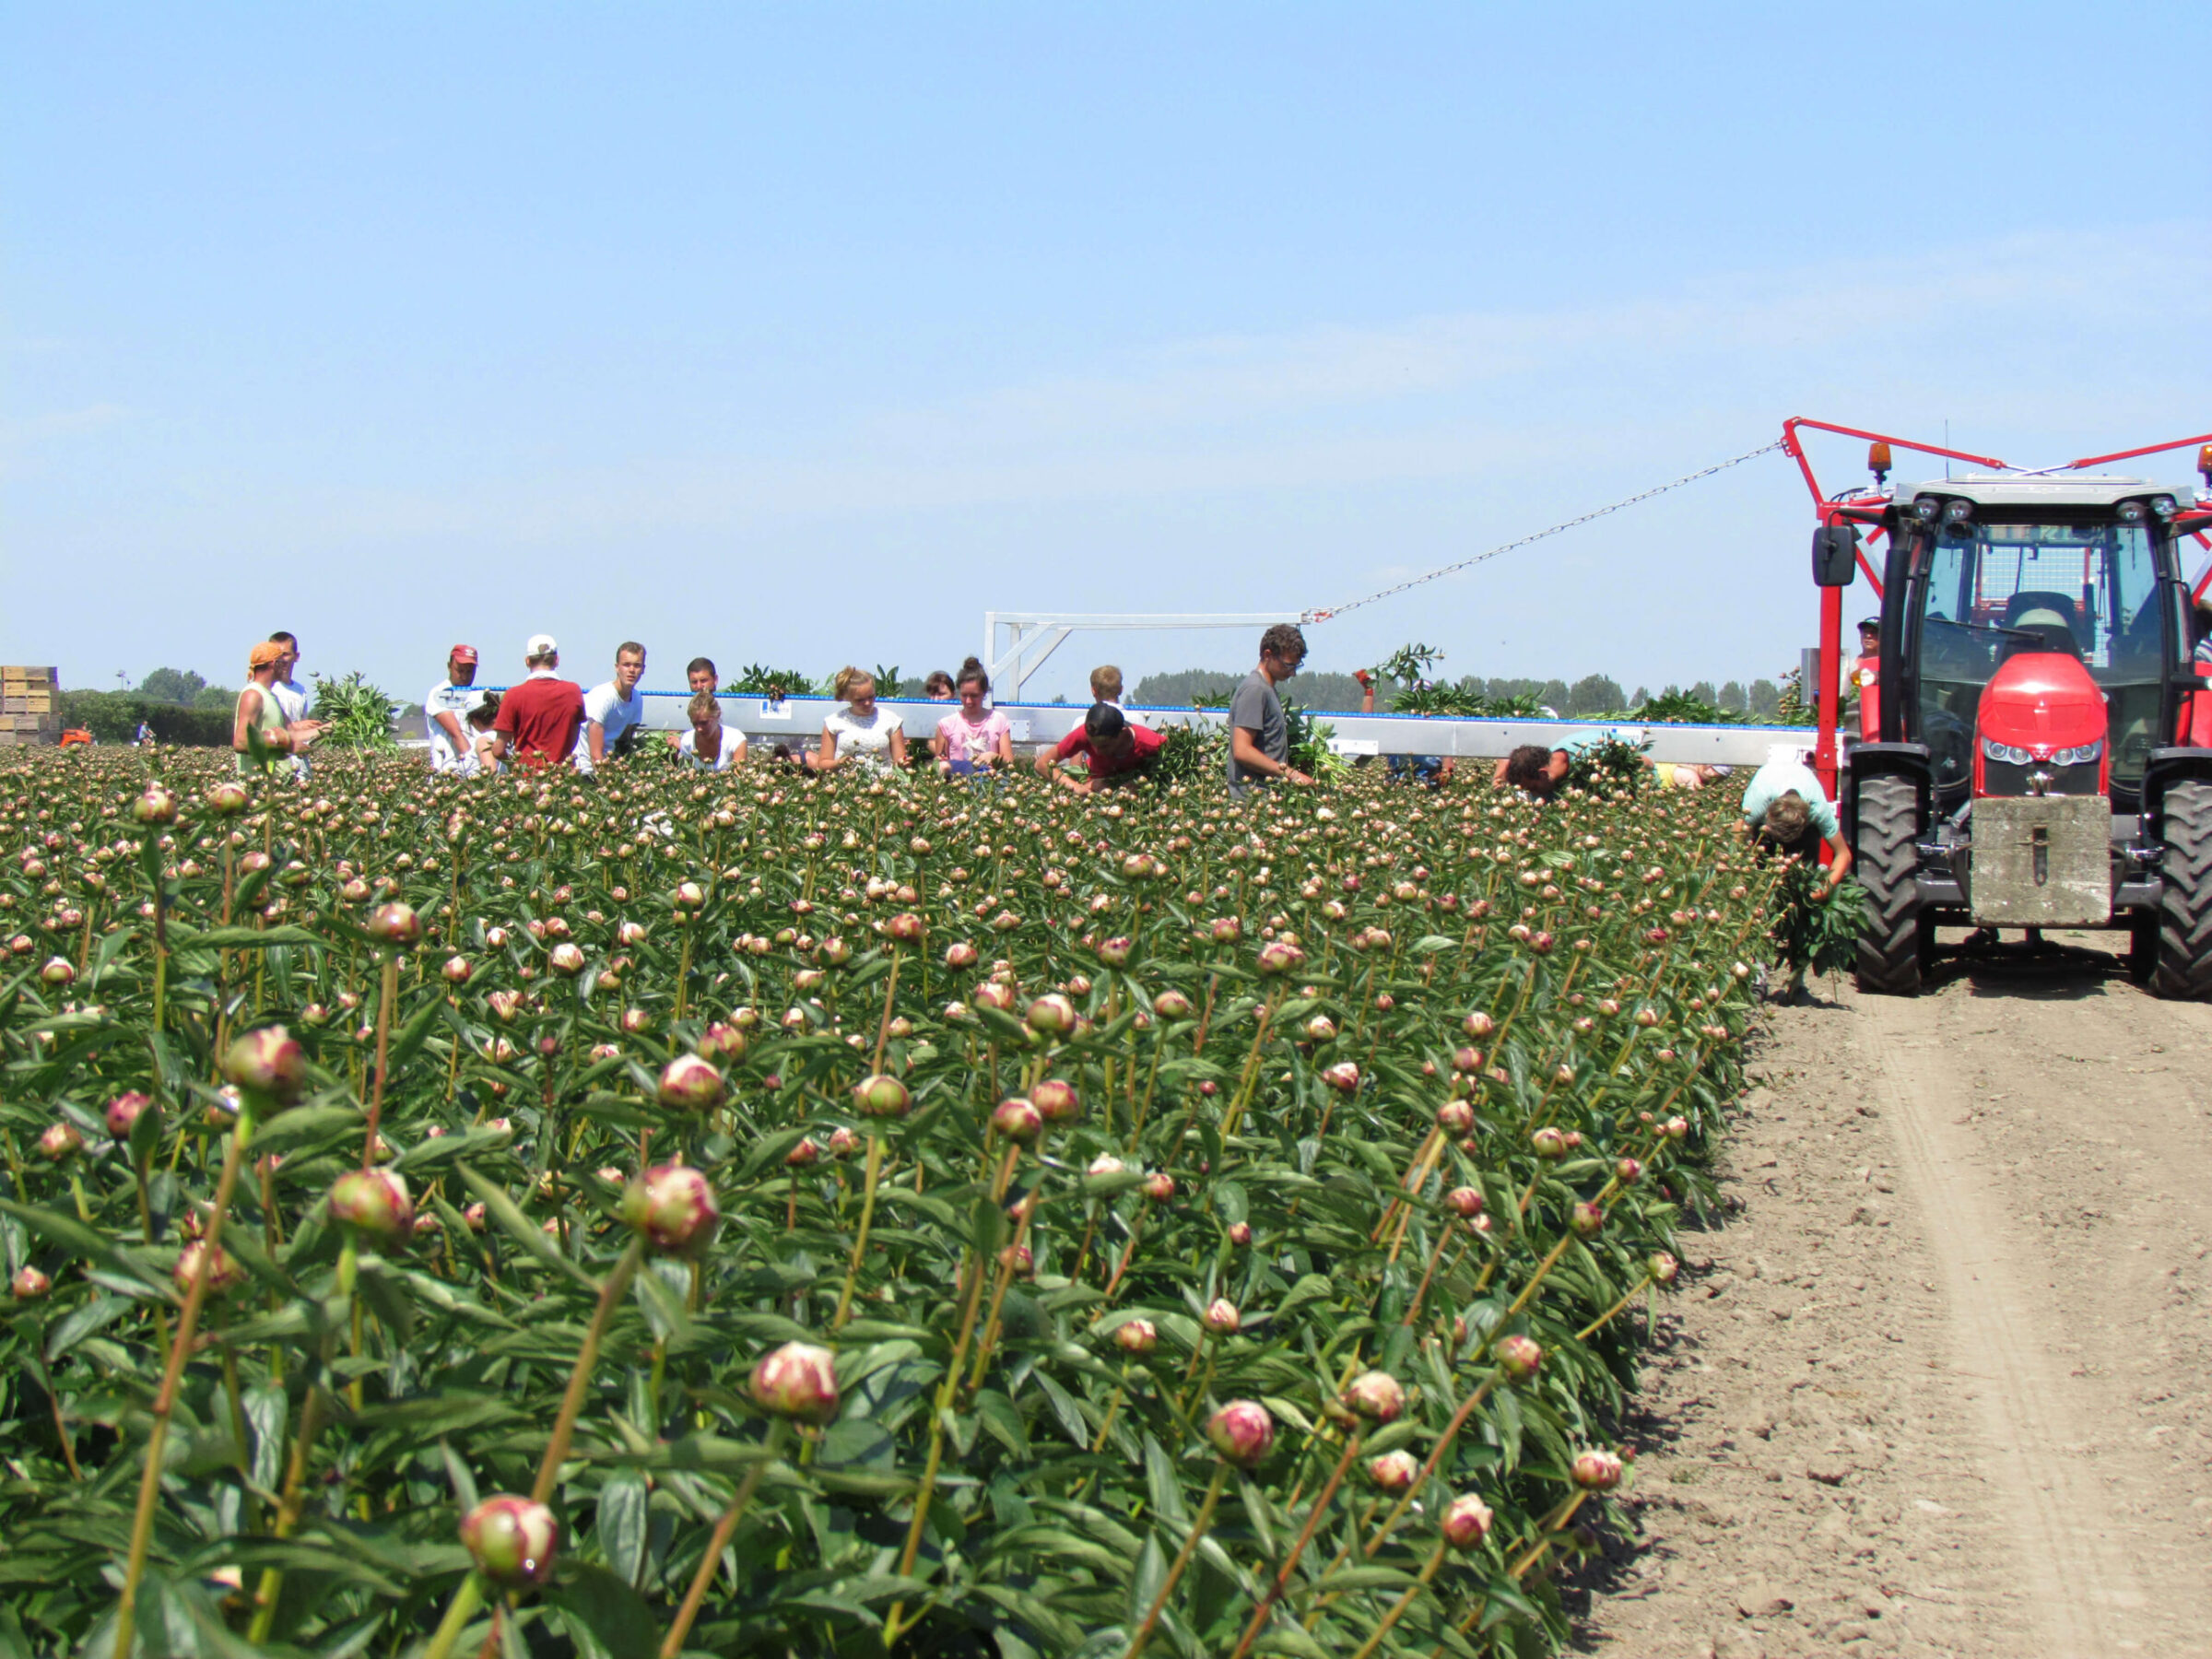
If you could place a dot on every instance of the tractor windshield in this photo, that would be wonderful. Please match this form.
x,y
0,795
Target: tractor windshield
x,y
1995,590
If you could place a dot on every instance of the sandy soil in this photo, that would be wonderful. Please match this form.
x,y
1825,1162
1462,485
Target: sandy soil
x,y
1944,1384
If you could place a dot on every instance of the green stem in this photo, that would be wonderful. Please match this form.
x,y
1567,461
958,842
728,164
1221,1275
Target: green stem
x,y
1183,1559
458,1612
724,1528
564,1427
860,1240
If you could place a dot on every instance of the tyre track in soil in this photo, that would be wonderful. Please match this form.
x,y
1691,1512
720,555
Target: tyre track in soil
x,y
1944,1386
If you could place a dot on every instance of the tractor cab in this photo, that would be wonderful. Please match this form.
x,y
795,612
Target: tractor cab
x,y
2036,756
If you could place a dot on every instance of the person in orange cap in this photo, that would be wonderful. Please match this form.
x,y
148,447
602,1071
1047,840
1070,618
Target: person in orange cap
x,y
258,711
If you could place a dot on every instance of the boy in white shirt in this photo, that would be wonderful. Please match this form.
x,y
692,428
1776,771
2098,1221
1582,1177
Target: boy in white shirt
x,y
446,706
613,709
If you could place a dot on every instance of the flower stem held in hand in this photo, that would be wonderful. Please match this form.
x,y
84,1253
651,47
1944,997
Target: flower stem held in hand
x,y
1183,1559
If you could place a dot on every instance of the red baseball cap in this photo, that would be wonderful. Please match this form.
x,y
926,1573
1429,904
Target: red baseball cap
x,y
462,654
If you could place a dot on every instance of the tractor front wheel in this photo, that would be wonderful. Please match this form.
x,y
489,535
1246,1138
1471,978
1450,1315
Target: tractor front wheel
x,y
1886,861
2183,966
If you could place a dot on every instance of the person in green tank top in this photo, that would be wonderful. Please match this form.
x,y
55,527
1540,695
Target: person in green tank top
x,y
258,711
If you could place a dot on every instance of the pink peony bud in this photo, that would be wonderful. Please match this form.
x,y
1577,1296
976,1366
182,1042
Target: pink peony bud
x,y
1375,1396
674,1207
1586,1219
61,1142
225,1271
1279,955
797,1380
457,970
691,1084
1343,1077
881,1096
1225,930
1677,1129
1464,1201
374,1203
1479,1024
267,1066
689,895
125,1110
1138,1336
395,925
1456,1118
1320,1029
1172,1005
1057,1102
57,971
1628,1172
227,799
1242,1432
157,805
30,1285
1663,1267
1159,1186
803,1155
1596,1471
566,959
512,1540
905,927
843,1143
1394,1471
1053,1014
1548,1142
1018,1120
1115,952
1221,1317
1466,1522
1518,1358
1240,1234
960,955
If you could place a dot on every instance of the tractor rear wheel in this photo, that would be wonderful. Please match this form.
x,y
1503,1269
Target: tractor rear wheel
x,y
1886,860
2183,969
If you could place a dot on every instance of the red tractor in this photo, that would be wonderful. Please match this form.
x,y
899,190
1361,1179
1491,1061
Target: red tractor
x,y
2040,750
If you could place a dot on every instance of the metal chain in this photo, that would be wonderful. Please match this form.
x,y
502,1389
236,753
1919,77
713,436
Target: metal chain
x,y
1337,610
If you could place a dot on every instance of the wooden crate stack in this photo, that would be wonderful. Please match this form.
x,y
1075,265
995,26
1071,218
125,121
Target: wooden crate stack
x,y
30,707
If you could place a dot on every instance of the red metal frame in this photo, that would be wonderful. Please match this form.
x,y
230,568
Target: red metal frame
x,y
1854,509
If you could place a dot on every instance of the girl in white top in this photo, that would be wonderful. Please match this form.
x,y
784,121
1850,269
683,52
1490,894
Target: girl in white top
x,y
708,744
860,731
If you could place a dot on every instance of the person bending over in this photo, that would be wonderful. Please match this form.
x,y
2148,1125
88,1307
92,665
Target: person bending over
x,y
1119,751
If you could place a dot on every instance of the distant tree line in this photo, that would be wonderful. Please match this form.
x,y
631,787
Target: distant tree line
x,y
1592,694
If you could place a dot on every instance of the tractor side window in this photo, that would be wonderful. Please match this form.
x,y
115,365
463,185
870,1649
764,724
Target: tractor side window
x,y
2133,648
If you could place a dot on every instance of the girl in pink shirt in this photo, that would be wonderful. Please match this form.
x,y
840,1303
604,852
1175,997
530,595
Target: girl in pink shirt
x,y
975,738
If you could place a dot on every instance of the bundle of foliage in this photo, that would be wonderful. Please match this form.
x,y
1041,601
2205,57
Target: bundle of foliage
x,y
661,1213
354,714
757,682
1812,932
1613,766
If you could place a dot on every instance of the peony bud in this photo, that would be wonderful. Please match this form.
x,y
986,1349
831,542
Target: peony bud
x,y
157,805
1221,1317
1586,1219
843,1143
905,927
1279,955
1663,1267
1456,1118
1053,1014
1138,1336
1115,952
1466,1522
1677,1129
374,1203
1240,1234
1159,1186
30,1285
1375,1396
674,1207
61,1142
960,955
1242,1432
1548,1142
1596,1471
57,971
512,1541
1018,1120
1518,1358
720,1041
267,1066
1628,1172
797,1380
1343,1077
1057,1102
691,1084
1320,1029
395,925
124,1111
1394,1471
225,1271
803,1155
1172,1005
566,959
1464,1201
227,799
881,1096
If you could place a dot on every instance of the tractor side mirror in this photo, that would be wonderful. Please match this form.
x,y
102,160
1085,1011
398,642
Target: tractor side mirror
x,y
1835,556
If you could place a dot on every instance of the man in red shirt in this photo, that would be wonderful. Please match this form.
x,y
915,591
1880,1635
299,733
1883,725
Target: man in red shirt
x,y
538,720
1119,752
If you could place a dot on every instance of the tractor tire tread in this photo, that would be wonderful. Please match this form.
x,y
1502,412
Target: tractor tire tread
x,y
1886,860
2182,969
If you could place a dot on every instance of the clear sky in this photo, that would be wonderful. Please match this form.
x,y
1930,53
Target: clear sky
x,y
804,335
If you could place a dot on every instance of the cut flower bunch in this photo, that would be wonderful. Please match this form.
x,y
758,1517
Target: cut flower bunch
x,y
635,1215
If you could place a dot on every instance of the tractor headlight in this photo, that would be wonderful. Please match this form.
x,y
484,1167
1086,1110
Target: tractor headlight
x,y
1925,508
2011,754
2129,513
1957,512
2077,756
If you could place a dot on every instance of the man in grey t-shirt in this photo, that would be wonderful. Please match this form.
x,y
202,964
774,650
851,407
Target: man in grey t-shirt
x,y
1259,737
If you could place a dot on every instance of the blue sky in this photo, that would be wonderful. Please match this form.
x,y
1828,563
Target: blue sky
x,y
806,335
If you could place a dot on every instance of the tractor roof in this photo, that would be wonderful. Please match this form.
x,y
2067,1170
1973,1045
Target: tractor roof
x,y
2018,490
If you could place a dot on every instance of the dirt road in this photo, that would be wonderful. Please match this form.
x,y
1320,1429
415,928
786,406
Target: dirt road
x,y
1944,1386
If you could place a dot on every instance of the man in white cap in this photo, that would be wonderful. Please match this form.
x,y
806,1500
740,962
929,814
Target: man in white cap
x,y
538,720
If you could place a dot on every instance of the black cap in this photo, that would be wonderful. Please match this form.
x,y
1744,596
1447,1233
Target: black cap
x,y
1104,721
1871,625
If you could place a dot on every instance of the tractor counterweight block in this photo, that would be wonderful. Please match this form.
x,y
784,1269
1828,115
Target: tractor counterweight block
x,y
2042,861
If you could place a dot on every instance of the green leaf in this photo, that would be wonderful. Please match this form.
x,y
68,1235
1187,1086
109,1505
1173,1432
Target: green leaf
x,y
502,1209
622,1522
1145,1583
607,1610
87,1242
